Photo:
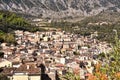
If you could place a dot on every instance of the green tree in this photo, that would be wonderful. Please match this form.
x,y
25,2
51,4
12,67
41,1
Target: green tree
x,y
1,54
70,76
3,77
112,65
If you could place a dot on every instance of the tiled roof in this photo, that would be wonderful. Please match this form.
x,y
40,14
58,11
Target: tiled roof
x,y
8,71
28,68
59,65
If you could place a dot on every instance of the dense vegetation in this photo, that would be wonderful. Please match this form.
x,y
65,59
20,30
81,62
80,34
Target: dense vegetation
x,y
109,66
3,77
70,76
7,37
9,22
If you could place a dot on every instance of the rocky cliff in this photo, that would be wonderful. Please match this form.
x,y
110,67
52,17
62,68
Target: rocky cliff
x,y
60,8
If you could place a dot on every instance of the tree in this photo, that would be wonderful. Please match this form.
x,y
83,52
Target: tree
x,y
1,54
76,53
70,76
3,77
111,67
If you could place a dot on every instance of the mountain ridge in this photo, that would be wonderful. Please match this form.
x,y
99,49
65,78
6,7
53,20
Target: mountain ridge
x,y
60,8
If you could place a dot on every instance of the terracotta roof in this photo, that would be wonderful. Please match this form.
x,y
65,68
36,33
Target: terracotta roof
x,y
76,70
88,74
59,65
15,63
28,68
8,71
8,50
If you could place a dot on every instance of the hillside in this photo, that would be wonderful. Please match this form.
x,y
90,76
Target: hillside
x,y
60,8
9,22
104,23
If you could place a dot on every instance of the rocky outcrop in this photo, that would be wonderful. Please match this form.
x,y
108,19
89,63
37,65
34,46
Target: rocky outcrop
x,y
60,8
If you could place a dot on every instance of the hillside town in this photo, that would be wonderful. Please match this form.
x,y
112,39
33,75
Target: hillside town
x,y
50,55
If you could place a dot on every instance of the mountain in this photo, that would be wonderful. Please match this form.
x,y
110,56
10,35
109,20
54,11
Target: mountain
x,y
60,8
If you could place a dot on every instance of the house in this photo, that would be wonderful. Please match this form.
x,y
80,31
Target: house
x,y
16,64
82,73
27,71
8,51
52,75
65,46
5,63
46,38
62,60
8,71
20,77
3,44
67,39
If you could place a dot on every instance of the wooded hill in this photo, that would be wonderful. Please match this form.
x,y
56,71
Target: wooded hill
x,y
9,22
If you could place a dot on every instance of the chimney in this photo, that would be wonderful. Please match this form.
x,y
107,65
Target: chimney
x,y
28,66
